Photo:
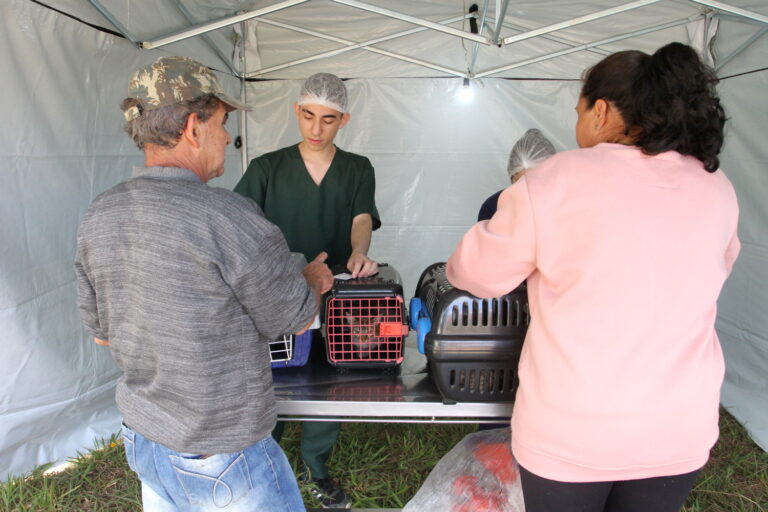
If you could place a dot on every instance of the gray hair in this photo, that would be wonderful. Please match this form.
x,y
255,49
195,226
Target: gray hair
x,y
163,126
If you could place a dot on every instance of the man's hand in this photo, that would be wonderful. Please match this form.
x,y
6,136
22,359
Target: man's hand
x,y
319,278
318,275
103,343
361,265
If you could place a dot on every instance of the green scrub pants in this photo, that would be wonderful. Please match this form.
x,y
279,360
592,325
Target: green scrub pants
x,y
317,440
317,437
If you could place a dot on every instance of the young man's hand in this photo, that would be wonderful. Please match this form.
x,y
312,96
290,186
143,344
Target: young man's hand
x,y
361,265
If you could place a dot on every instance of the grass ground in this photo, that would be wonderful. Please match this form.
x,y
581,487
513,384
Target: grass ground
x,y
381,466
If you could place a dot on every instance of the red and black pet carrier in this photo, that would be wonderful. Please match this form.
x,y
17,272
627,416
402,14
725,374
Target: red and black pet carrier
x,y
364,321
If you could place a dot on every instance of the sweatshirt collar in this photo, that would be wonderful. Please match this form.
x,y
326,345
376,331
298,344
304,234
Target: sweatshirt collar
x,y
139,171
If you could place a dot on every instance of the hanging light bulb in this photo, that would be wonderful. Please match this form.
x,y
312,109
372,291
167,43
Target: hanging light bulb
x,y
465,93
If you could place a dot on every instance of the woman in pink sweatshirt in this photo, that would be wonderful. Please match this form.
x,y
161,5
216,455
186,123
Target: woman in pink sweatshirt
x,y
626,244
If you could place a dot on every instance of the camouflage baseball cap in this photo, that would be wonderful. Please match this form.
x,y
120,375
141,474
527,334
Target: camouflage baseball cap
x,y
171,80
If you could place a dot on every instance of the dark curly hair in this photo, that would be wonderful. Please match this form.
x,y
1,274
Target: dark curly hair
x,y
667,99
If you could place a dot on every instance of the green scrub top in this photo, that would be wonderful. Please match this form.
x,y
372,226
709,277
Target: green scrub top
x,y
313,218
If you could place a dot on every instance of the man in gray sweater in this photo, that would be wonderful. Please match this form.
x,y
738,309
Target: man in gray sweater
x,y
187,284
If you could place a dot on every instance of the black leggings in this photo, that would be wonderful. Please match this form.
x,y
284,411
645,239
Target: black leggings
x,y
660,494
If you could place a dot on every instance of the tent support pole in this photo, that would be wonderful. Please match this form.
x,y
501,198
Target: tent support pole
x,y
556,39
746,44
733,10
589,45
243,98
501,13
351,45
578,21
119,26
415,20
214,25
476,47
183,9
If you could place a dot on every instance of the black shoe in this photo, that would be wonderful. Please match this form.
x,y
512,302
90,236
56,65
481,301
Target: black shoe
x,y
327,493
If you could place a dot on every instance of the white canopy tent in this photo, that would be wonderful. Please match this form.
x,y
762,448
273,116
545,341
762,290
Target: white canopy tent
x,y
66,64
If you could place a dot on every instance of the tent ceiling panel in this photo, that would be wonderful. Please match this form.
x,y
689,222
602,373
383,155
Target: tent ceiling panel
x,y
79,9
424,51
145,20
440,49
733,9
205,27
733,38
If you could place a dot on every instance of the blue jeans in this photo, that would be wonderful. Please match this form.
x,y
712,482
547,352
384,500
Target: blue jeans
x,y
256,479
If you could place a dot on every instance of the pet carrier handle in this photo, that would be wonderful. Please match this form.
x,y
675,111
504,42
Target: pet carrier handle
x,y
414,308
423,326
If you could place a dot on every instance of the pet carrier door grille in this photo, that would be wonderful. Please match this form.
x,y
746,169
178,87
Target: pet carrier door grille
x,y
290,350
365,329
281,349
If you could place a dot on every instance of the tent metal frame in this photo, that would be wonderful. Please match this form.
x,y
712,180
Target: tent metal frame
x,y
442,26
746,44
723,7
578,21
351,45
114,21
416,21
476,46
585,46
553,38
188,15
217,24
493,26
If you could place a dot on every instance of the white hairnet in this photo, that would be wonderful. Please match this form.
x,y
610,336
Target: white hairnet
x,y
529,151
324,89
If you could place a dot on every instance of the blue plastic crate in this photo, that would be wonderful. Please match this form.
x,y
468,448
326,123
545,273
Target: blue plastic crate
x,y
290,350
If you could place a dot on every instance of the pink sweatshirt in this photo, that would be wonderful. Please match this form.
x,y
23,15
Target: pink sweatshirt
x,y
625,255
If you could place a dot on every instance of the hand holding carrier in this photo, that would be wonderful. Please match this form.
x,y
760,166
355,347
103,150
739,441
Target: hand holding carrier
x,y
473,345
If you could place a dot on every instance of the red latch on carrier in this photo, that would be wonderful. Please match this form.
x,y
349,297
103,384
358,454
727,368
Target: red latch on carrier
x,y
392,329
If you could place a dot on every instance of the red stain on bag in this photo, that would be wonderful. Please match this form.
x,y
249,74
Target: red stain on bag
x,y
465,485
481,503
497,458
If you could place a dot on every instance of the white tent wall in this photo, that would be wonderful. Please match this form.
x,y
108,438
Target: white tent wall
x,y
742,322
436,160
61,145
436,157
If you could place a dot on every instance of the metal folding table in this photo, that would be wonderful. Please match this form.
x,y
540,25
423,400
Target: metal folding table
x,y
320,392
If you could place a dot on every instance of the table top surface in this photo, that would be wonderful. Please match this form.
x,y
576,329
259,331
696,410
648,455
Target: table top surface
x,y
319,391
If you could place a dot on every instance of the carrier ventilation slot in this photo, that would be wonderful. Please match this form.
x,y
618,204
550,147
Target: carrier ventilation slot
x,y
431,301
497,312
482,381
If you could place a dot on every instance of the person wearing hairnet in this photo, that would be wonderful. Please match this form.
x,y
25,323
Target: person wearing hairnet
x,y
529,151
322,198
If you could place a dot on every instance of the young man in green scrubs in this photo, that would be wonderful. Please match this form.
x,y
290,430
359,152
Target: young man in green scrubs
x,y
322,198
